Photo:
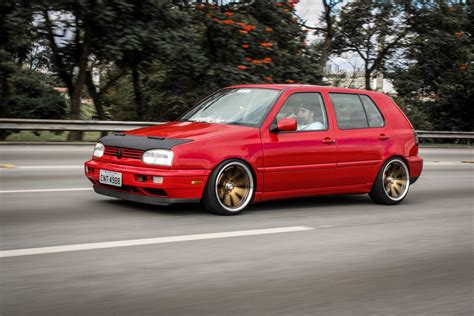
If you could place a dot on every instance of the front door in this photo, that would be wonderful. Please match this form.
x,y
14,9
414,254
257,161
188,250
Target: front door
x,y
303,161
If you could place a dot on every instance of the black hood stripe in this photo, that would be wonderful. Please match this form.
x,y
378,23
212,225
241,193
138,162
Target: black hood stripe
x,y
141,142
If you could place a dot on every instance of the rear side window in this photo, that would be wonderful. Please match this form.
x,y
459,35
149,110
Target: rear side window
x,y
373,114
349,110
355,111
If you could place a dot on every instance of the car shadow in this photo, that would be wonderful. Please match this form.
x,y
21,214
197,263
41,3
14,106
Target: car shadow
x,y
170,210
333,201
316,202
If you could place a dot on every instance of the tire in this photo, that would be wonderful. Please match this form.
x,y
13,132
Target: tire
x,y
392,183
229,189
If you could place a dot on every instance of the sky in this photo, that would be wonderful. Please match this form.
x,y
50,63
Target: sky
x,y
310,11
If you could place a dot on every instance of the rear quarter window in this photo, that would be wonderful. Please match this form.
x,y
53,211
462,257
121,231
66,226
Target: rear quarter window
x,y
374,116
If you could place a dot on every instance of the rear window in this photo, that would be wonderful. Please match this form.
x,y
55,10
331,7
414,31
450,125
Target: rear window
x,y
355,111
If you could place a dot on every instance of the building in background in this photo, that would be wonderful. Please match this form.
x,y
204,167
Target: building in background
x,y
345,78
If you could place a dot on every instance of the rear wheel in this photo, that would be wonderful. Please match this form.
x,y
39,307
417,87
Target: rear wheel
x,y
392,183
230,188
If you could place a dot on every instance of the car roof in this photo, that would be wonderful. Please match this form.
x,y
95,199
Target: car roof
x,y
299,86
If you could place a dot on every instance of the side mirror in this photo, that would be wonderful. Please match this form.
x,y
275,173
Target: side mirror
x,y
287,125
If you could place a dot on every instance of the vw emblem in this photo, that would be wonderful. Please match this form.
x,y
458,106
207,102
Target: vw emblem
x,y
119,153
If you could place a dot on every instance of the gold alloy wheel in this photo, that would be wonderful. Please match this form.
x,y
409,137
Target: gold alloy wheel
x,y
395,180
234,186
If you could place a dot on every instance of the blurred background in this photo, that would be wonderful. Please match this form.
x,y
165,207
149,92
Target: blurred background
x,y
152,60
69,70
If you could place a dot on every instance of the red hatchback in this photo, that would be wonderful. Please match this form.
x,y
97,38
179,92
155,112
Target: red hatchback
x,y
252,143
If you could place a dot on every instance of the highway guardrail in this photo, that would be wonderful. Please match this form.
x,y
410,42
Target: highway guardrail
x,y
70,125
115,126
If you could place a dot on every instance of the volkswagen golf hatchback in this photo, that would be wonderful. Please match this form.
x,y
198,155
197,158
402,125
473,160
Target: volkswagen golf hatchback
x,y
253,143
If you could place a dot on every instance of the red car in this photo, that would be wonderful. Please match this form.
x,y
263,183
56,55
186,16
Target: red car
x,y
252,143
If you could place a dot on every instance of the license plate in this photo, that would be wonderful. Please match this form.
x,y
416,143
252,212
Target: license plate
x,y
110,178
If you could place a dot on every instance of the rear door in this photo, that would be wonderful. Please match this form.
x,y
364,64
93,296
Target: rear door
x,y
302,161
362,138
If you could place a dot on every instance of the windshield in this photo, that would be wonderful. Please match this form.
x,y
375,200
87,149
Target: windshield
x,y
234,106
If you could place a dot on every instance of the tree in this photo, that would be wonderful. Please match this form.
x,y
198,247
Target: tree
x,y
435,75
213,46
325,47
81,33
373,30
30,95
24,93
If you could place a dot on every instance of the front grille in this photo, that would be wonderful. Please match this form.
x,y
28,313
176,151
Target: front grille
x,y
126,152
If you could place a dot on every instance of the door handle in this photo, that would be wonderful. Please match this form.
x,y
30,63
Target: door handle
x,y
383,137
329,141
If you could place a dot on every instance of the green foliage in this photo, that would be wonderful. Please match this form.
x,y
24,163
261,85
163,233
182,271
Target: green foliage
x,y
216,46
416,112
373,30
16,29
436,75
31,95
26,93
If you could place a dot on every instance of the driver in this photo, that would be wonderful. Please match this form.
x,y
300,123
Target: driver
x,y
307,120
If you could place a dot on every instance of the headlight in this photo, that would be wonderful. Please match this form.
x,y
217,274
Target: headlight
x,y
158,157
98,150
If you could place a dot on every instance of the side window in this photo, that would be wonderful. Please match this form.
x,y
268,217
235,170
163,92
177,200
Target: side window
x,y
349,111
308,109
373,113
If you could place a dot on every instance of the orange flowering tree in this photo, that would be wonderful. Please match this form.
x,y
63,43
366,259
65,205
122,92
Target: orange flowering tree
x,y
257,41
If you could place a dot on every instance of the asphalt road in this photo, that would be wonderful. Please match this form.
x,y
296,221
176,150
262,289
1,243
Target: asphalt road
x,y
354,258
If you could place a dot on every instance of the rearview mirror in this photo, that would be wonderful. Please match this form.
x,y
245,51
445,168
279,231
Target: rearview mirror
x,y
287,125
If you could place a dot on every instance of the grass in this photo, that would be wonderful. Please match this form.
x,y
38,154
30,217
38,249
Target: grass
x,y
46,136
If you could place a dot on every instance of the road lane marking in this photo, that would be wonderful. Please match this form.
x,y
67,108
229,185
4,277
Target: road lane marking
x,y
45,190
12,166
149,241
52,167
444,163
7,165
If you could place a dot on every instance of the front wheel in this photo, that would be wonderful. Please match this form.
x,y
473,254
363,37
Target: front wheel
x,y
230,188
392,183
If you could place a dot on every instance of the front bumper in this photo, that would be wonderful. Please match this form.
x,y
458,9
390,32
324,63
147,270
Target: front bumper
x,y
178,186
140,197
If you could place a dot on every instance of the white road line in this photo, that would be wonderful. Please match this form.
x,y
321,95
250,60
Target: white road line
x,y
14,167
51,167
45,190
149,241
446,163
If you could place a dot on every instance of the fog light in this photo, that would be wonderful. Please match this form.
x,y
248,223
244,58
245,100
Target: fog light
x,y
158,180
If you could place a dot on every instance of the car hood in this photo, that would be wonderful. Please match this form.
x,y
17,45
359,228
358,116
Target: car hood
x,y
189,130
